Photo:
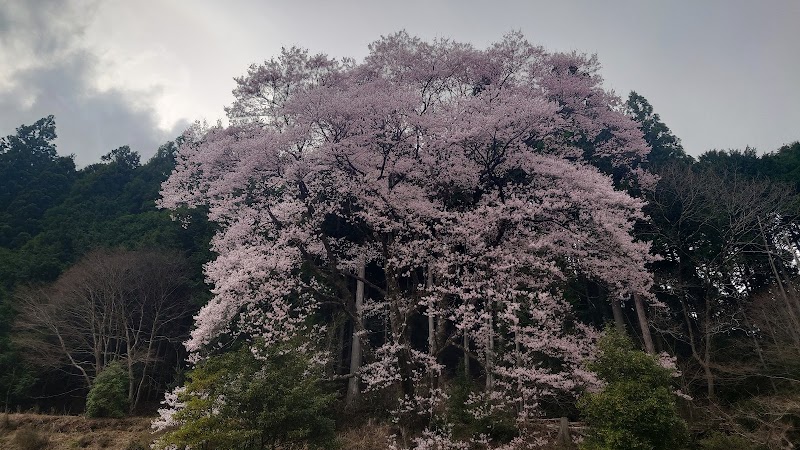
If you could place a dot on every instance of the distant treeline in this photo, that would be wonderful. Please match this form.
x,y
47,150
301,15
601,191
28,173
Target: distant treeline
x,y
51,216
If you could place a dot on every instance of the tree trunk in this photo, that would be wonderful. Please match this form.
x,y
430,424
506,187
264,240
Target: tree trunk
x,y
145,367
490,352
760,354
643,324
432,347
466,355
707,335
341,341
354,384
564,440
619,319
790,306
400,337
431,320
131,381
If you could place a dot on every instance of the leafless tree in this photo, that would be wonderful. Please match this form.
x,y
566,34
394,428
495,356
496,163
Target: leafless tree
x,y
112,305
711,235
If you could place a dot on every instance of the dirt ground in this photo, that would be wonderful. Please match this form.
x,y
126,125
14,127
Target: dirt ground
x,y
40,432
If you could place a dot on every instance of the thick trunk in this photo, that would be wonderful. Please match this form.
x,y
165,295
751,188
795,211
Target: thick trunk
x,y
431,319
619,319
404,360
341,343
490,352
398,324
354,384
709,375
441,330
643,324
564,440
465,345
432,347
98,359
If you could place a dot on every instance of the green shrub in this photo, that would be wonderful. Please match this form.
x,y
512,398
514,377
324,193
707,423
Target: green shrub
x,y
236,400
108,396
636,410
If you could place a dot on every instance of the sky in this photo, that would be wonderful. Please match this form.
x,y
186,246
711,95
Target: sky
x,y
722,74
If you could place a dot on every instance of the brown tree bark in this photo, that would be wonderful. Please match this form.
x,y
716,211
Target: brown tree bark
x,y
644,325
619,319
354,383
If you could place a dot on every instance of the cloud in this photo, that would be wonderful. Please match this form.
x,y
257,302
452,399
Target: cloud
x,y
53,72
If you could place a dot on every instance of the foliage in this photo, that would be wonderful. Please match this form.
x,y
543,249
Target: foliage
x,y
108,396
33,178
244,400
636,409
784,164
664,146
478,170
52,215
17,377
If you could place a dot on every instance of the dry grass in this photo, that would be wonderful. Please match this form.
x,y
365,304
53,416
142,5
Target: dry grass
x,y
366,437
30,439
29,431
78,432
39,432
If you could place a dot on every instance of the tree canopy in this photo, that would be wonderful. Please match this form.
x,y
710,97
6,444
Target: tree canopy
x,y
476,170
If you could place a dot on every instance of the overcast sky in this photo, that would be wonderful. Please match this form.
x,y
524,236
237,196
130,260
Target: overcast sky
x,y
722,74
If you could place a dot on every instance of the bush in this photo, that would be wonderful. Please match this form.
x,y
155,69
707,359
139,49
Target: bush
x,y
108,396
636,409
236,400
28,439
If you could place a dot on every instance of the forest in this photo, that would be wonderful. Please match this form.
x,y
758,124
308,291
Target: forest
x,y
451,243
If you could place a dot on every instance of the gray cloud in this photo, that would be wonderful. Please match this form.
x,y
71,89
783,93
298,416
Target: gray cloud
x,y
43,27
720,73
52,73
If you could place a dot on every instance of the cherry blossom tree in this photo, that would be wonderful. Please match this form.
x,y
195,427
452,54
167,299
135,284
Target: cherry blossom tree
x,y
455,185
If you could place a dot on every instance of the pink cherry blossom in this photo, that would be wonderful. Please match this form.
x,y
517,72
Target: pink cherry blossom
x,y
480,166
